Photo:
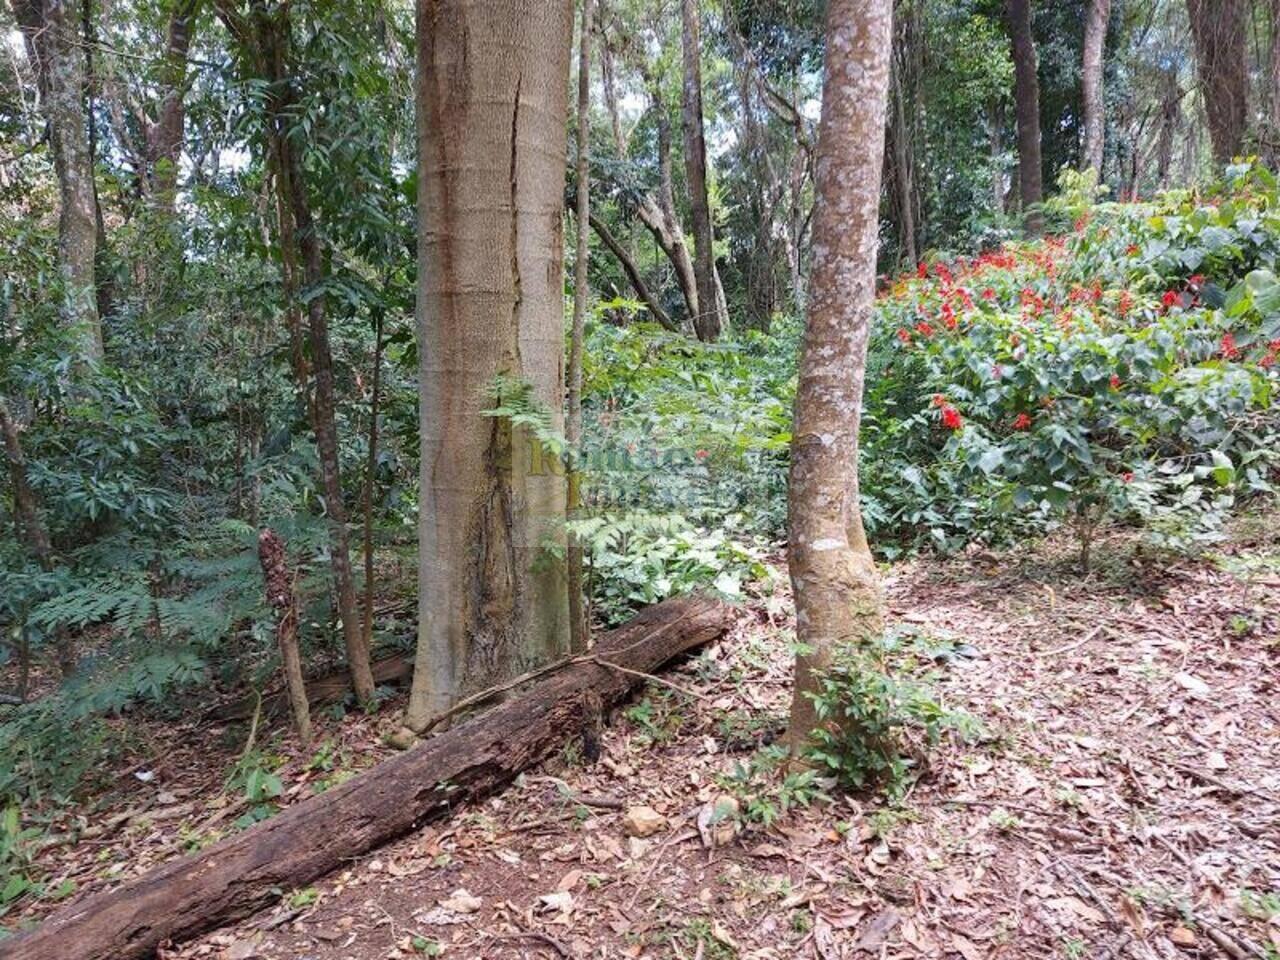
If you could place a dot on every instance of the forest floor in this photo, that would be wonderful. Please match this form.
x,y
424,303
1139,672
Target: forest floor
x,y
1124,800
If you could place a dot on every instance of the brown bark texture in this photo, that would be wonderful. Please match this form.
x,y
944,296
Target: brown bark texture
x,y
246,872
1095,39
578,632
492,104
1218,32
283,599
833,576
711,320
1026,102
50,29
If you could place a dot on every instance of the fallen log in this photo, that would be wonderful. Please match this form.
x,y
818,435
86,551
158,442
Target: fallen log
x,y
387,672
246,872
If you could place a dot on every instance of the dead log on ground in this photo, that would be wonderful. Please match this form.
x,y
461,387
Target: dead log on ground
x,y
246,872
332,687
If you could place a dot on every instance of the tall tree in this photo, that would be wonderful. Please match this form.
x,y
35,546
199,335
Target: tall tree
x,y
656,210
1026,101
492,100
1095,38
833,576
51,31
1218,31
712,317
263,38
573,426
164,136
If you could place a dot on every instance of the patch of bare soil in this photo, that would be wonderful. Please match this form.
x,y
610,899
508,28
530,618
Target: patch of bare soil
x,y
1125,801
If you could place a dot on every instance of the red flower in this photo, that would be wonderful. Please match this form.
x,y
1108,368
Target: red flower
x,y
1125,304
1268,360
1022,422
1229,349
701,454
1131,250
924,329
951,418
922,270
1171,298
948,316
1116,382
1127,476
939,400
1196,280
904,334
988,294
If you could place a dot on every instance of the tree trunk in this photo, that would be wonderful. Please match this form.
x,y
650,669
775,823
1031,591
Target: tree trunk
x,y
264,42
51,31
578,631
1095,39
710,322
629,267
284,600
1170,100
1218,31
1026,97
370,478
833,576
1272,148
165,136
492,104
658,214
246,872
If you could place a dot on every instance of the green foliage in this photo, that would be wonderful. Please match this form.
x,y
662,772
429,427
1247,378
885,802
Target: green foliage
x,y
1126,372
878,711
767,793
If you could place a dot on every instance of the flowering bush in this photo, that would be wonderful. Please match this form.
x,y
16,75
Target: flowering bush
x,y
1127,369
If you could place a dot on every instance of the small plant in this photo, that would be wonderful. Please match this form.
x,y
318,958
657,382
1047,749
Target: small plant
x,y
1263,906
764,797
878,714
303,898
656,718
252,776
17,856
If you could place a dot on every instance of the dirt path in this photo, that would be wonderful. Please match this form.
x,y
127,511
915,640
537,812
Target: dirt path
x,y
1125,803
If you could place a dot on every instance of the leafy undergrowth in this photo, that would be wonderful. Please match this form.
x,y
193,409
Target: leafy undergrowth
x,y
1123,800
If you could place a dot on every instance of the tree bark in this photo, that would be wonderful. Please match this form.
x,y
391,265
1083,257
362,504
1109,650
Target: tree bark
x,y
50,29
165,136
492,103
284,601
833,576
657,213
1095,39
264,41
629,267
1218,32
370,477
232,879
1272,148
578,631
711,319
1026,97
